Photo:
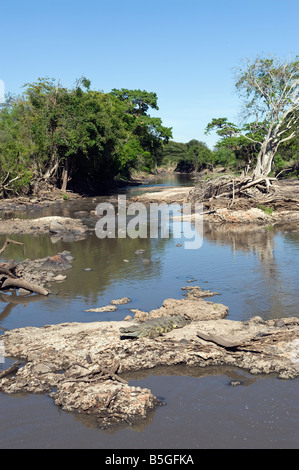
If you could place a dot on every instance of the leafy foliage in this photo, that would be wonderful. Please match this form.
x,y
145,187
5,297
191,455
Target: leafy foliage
x,y
79,137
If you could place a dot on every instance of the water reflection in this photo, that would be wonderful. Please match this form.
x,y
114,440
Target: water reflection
x,y
12,300
255,269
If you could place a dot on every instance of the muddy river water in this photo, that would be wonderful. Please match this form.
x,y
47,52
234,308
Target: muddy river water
x,y
255,270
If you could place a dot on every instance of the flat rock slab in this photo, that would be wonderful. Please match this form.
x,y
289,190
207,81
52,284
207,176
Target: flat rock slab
x,y
84,362
53,225
176,195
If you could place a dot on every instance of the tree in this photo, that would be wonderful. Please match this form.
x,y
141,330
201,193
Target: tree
x,y
238,146
140,101
149,131
52,135
271,91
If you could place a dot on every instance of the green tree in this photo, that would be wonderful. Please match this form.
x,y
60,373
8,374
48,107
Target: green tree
x,y
76,136
197,157
270,88
149,131
239,142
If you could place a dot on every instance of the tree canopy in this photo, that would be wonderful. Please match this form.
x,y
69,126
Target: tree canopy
x,y
270,90
77,136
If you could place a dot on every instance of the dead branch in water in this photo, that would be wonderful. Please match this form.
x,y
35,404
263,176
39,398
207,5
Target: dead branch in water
x,y
11,370
7,242
21,283
9,279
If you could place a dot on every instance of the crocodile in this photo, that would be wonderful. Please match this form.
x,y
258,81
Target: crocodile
x,y
153,327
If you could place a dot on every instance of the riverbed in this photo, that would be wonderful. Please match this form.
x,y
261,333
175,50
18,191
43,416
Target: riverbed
x,y
254,269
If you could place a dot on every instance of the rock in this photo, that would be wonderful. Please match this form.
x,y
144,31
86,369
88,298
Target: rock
x,y
57,356
196,292
140,315
22,291
60,277
193,309
177,195
65,227
128,318
56,262
56,226
81,214
234,383
44,270
106,308
123,300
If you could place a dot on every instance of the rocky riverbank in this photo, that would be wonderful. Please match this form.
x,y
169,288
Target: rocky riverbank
x,y
66,228
82,365
239,212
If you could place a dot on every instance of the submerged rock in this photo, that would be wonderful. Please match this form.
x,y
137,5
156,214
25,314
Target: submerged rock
x,y
106,308
123,300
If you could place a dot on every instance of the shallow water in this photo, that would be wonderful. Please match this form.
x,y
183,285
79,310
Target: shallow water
x,y
255,271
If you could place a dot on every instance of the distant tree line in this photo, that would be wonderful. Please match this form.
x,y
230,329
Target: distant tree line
x,y
232,152
268,141
83,139
76,138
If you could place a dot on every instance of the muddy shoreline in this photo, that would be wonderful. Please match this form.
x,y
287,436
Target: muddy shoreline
x,y
74,227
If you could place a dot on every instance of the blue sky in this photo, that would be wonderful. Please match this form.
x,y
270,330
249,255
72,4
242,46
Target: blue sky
x,y
185,51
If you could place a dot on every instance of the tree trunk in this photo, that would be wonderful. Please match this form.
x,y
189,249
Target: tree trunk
x,y
264,164
265,157
51,171
64,179
67,171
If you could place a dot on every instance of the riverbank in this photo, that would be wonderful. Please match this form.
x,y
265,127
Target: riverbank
x,y
240,211
85,363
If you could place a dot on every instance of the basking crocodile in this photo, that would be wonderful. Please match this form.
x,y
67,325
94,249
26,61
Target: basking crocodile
x,y
153,327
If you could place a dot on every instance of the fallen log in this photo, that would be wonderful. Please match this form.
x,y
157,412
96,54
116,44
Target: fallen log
x,y
11,370
9,283
242,187
9,279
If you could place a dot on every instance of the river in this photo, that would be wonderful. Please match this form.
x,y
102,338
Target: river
x,y
255,271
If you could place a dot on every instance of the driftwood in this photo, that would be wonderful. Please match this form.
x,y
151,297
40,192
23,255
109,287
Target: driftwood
x,y
9,279
9,283
245,193
101,373
7,242
242,185
11,370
